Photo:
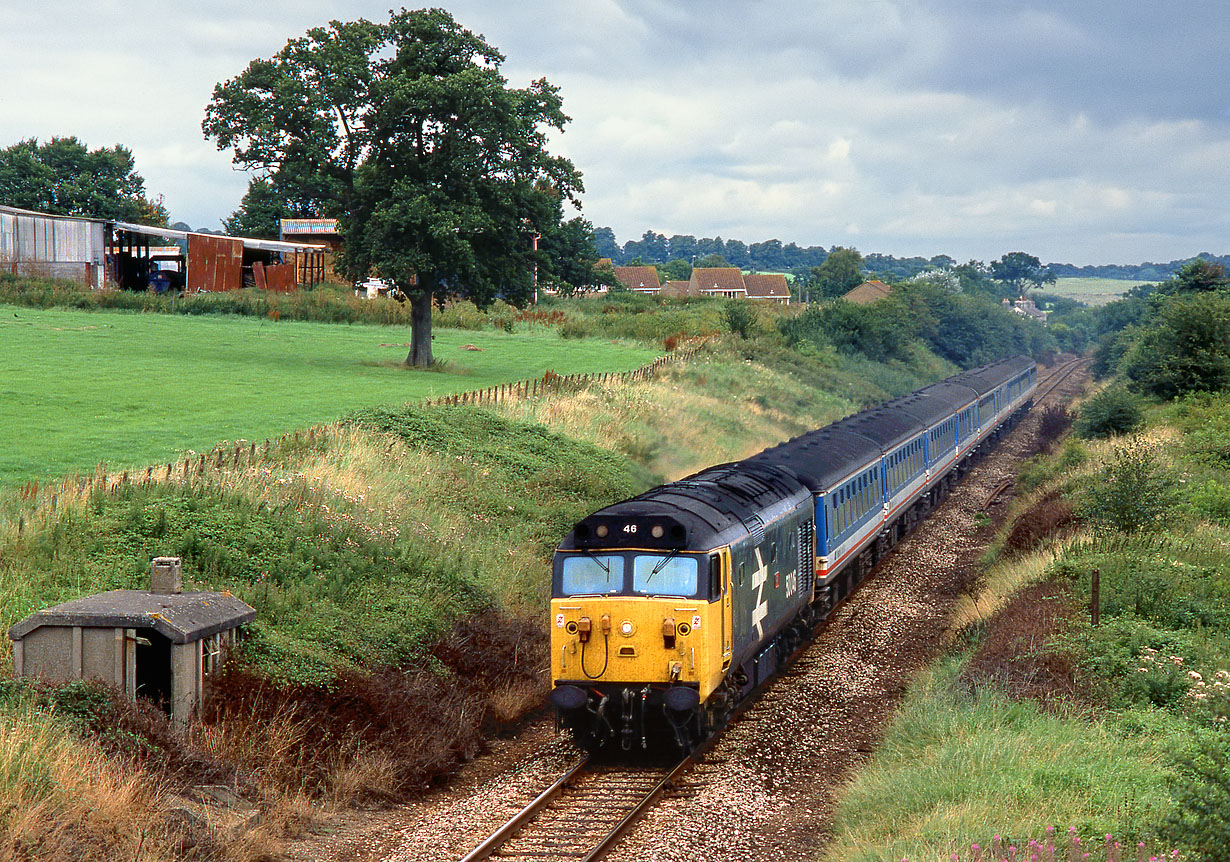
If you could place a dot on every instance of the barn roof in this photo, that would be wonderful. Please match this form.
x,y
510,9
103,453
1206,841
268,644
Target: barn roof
x,y
309,226
180,617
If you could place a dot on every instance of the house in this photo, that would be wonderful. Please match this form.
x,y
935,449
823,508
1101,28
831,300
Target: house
x,y
718,281
160,644
641,279
868,292
312,231
35,244
768,286
1026,307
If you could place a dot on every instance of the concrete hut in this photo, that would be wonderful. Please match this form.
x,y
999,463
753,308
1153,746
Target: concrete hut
x,y
159,644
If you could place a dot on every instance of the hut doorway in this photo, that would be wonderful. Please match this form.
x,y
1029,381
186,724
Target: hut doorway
x,y
154,667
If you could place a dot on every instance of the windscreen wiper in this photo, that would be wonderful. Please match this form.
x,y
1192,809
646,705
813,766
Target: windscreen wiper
x,y
606,568
674,552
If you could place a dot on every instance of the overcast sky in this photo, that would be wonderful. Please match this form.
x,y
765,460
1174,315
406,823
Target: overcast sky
x,y
1081,131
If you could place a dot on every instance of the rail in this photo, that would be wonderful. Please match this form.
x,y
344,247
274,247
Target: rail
x,y
583,826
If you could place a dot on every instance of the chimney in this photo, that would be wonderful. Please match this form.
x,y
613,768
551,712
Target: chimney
x,y
166,576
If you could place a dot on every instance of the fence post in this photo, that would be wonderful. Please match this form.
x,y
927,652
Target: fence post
x,y
1095,597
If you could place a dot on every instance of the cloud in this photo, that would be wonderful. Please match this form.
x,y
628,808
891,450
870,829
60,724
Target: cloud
x,y
1090,132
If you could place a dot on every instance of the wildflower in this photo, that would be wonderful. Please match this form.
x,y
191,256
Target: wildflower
x,y
1193,675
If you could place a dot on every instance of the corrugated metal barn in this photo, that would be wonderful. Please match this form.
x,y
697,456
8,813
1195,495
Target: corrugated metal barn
x,y
52,246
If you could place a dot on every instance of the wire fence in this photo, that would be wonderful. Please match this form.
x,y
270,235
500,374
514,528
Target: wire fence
x,y
552,382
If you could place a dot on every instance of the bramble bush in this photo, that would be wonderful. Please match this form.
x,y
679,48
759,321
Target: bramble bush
x,y
1200,821
1131,493
1112,411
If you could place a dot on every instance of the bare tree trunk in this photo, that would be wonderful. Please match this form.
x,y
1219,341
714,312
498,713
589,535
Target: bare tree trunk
x,y
420,330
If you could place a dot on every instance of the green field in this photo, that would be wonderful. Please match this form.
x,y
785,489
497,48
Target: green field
x,y
77,388
1092,291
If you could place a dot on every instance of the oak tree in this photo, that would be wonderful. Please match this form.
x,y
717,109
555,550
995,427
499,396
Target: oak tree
x,y
1017,269
406,131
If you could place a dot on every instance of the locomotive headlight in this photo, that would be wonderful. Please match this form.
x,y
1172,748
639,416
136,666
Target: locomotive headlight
x,y
602,531
658,531
626,628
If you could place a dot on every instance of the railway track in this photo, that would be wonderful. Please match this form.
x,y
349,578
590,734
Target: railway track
x,y
1046,387
580,816
1056,377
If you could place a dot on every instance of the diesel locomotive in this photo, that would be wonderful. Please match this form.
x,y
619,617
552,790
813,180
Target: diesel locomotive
x,y
670,608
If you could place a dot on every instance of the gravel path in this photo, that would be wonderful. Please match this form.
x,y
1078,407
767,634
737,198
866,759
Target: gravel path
x,y
766,791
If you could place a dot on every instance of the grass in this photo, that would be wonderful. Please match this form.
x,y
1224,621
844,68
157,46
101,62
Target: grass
x,y
132,389
730,402
957,767
1149,687
358,549
1092,291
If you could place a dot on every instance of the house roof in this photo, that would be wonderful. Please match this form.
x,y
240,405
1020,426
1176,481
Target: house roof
x,y
679,288
309,226
180,617
767,285
638,277
868,292
710,279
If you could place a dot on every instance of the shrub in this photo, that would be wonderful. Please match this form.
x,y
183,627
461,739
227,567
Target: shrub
x,y
1112,411
1184,348
738,317
1131,493
875,331
1200,820
1053,424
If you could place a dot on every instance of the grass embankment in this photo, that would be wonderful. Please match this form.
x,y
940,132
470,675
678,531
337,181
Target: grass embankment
x,y
133,389
399,564
1040,719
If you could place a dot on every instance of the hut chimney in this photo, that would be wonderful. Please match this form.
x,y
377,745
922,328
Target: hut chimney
x,y
166,576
